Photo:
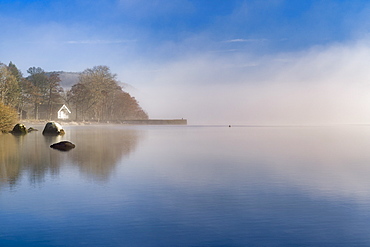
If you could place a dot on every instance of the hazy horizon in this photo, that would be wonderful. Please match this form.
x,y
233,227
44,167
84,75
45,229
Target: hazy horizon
x,y
229,62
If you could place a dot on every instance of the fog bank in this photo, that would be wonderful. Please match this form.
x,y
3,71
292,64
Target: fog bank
x,y
322,85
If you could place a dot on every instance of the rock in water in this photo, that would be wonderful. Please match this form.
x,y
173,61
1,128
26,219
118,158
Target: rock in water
x,y
30,129
63,146
53,128
19,129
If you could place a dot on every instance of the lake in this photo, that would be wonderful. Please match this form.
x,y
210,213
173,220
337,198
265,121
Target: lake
x,y
187,186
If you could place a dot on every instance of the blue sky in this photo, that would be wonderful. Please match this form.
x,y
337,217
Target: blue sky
x,y
144,29
211,61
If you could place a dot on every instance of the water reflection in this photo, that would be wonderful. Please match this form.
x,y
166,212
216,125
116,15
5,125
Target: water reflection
x,y
9,160
319,160
96,153
205,187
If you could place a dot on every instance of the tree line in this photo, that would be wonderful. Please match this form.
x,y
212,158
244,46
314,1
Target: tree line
x,y
96,96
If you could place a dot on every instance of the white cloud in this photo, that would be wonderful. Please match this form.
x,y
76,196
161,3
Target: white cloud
x,y
244,40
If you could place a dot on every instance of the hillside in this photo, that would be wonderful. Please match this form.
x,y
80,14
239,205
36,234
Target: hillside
x,y
68,79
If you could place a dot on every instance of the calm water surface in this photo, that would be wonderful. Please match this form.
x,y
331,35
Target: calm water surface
x,y
187,186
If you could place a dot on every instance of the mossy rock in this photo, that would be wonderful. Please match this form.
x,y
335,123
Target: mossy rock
x,y
53,128
19,129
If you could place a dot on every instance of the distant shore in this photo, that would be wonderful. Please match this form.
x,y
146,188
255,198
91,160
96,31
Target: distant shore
x,y
124,122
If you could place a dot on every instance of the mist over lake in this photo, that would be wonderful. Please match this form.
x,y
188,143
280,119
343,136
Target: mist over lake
x,y
187,186
290,78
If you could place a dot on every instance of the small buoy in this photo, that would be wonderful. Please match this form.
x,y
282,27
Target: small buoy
x,y
229,126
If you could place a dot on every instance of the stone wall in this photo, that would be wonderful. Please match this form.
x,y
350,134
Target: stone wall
x,y
158,122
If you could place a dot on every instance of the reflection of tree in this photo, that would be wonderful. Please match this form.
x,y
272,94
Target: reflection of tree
x,y
26,153
9,160
38,158
98,149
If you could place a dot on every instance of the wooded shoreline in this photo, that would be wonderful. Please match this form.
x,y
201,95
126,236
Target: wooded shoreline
x,y
125,122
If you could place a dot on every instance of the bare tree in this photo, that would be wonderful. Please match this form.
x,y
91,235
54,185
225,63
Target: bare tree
x,y
97,96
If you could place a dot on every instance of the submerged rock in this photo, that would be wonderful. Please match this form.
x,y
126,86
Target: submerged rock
x,y
63,146
30,129
53,128
19,129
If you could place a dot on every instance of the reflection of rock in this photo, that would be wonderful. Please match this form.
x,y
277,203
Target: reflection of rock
x,y
63,146
53,128
19,129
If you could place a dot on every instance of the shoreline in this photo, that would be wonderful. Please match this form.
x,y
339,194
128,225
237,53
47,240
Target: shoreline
x,y
123,122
